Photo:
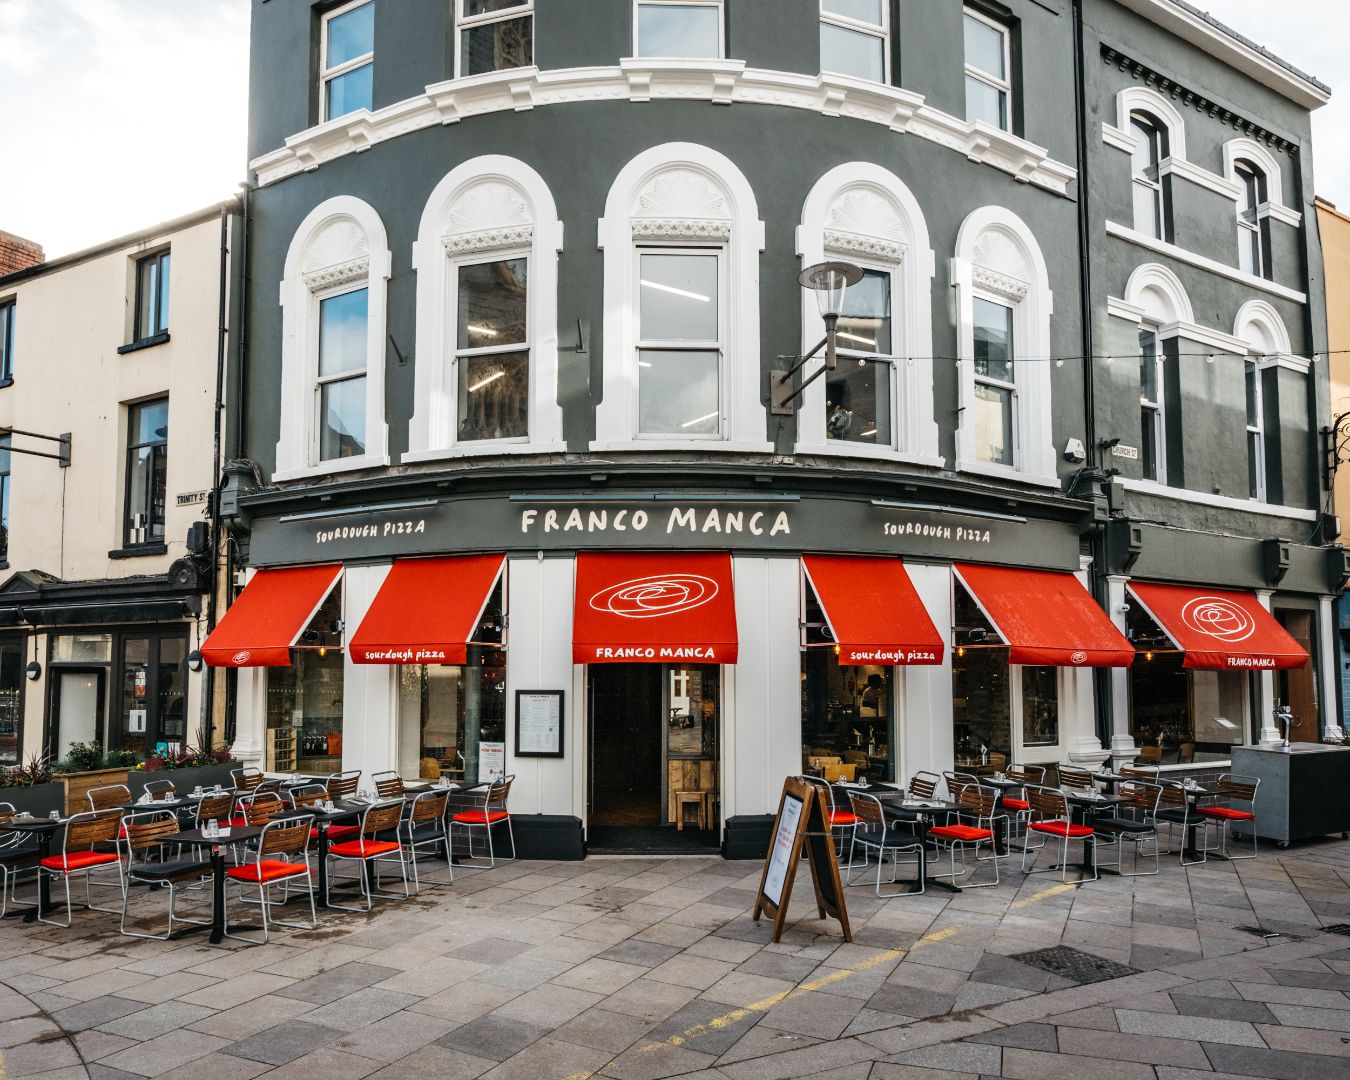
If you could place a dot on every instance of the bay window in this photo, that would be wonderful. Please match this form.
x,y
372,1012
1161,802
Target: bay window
x,y
854,38
689,29
347,59
494,35
679,345
492,352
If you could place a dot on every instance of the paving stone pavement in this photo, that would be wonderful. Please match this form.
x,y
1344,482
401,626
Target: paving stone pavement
x,y
636,969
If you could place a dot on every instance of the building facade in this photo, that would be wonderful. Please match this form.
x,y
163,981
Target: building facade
x,y
517,460
107,412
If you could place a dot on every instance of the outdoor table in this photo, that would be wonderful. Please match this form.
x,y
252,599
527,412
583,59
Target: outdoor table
x,y
1081,806
182,802
1003,785
895,805
217,844
42,830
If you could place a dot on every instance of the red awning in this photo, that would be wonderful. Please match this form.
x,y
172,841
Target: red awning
x,y
1046,617
426,611
1219,629
874,612
269,616
662,608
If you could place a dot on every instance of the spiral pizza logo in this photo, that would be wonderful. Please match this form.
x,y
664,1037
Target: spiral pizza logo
x,y
651,597
239,659
1078,657
1218,618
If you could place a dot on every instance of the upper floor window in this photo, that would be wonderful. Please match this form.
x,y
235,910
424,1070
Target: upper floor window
x,y
1256,432
1252,193
340,385
995,383
4,497
679,346
347,59
7,311
691,29
147,471
495,35
988,70
858,392
1146,176
152,295
492,352
1152,413
855,38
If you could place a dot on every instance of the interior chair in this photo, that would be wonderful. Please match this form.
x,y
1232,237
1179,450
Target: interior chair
x,y
835,771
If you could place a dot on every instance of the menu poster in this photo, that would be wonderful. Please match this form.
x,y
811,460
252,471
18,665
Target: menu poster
x,y
491,761
539,723
783,845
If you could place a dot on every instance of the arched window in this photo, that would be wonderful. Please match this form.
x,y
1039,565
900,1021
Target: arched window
x,y
682,237
879,400
1158,293
333,335
486,259
1252,193
1149,193
1256,175
1259,325
1003,323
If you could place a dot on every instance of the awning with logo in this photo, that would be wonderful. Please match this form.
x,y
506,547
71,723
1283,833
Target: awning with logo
x,y
427,611
1045,617
269,616
873,610
656,608
1219,629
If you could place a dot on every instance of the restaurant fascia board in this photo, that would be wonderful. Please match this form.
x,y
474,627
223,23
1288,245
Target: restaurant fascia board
x,y
782,525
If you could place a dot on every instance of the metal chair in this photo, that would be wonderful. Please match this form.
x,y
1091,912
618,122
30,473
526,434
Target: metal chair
x,y
260,807
1050,818
875,834
85,834
1140,772
980,803
923,785
1017,803
17,857
161,789
1242,791
246,779
955,781
217,808
342,785
388,785
305,796
1076,778
279,844
424,826
1135,822
368,850
108,796
1174,811
841,822
493,812
144,834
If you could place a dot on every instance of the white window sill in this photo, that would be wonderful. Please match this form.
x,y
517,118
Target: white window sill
x,y
691,446
844,449
483,449
332,468
1219,502
1006,472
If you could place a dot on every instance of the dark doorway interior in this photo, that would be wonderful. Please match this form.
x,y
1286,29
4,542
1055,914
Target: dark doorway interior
x,y
625,742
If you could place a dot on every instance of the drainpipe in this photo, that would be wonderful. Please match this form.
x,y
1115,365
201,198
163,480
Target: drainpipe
x,y
222,337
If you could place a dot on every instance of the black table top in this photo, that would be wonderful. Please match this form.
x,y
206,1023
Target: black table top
x,y
32,825
346,808
194,837
158,804
1083,798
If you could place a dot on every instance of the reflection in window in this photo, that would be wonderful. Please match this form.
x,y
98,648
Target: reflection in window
x,y
348,59
981,704
679,343
492,354
152,295
11,699
146,472
304,700
853,38
340,391
691,29
1040,706
988,59
995,386
1146,177
858,392
495,35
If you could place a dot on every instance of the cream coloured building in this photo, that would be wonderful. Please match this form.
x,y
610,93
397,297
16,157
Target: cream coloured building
x,y
109,365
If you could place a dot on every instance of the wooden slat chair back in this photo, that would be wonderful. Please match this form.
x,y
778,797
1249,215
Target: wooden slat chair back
x,y
923,785
86,831
381,818
429,807
261,807
1025,774
342,784
499,792
1139,772
308,796
1072,778
108,796
215,807
1141,798
161,789
145,831
285,837
246,780
388,785
867,810
1046,804
978,801
1238,788
956,781
882,839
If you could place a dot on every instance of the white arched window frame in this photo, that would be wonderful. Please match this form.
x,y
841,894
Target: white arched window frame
x,y
998,259
1259,327
1142,99
489,209
1247,152
1163,311
865,214
686,196
339,247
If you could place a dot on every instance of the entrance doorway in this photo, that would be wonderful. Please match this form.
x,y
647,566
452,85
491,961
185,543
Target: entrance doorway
x,y
653,736
77,709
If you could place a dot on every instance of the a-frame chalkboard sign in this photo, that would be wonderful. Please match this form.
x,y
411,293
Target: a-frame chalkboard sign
x,y
802,820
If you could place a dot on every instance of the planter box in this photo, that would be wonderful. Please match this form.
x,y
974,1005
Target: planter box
x,y
184,780
79,784
38,799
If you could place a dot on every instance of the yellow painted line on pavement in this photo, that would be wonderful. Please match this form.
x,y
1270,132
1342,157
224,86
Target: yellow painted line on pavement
x,y
1054,890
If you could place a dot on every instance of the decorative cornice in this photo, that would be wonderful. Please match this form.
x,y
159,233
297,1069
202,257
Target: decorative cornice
x,y
991,280
340,274
638,80
488,239
652,228
871,247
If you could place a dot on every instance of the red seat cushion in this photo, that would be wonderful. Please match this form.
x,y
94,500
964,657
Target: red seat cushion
x,y
343,832
842,817
267,870
238,820
1061,828
961,832
362,849
1016,804
77,860
1227,813
477,817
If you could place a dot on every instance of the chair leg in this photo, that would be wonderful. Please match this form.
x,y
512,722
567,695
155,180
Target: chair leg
x,y
70,910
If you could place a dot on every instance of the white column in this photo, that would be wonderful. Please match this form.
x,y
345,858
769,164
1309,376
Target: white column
x,y
1265,697
1123,748
1329,693
1077,710
539,657
924,722
36,694
762,728
250,716
369,691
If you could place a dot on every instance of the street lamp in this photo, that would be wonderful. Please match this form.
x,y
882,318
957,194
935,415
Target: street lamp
x,y
830,282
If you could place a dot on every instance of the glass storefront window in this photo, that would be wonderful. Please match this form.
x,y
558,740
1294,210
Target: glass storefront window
x,y
981,704
304,700
153,695
1040,706
11,700
135,694
82,649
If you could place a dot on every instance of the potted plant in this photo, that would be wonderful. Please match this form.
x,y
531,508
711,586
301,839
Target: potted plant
x,y
188,767
85,767
30,786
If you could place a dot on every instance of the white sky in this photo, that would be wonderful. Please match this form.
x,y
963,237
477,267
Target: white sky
x,y
124,113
